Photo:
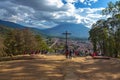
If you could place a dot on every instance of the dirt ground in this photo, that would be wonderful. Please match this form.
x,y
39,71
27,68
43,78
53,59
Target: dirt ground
x,y
57,67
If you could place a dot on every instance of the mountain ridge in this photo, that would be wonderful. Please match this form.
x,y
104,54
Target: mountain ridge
x,y
76,30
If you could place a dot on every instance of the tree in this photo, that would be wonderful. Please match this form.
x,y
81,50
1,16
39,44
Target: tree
x,y
99,36
41,44
1,46
28,40
107,32
112,9
93,38
9,43
17,41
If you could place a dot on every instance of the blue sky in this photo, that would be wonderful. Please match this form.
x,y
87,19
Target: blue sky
x,y
49,13
94,3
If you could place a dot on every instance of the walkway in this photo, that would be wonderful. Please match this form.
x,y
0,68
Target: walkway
x,y
52,67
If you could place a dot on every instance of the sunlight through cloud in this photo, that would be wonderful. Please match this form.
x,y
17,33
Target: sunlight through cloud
x,y
52,12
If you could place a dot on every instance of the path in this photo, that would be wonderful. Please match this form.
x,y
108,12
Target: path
x,y
54,43
58,68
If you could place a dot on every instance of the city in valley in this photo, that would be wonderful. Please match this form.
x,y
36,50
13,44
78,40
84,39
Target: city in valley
x,y
81,47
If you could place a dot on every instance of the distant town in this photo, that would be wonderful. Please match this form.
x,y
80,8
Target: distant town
x,y
58,44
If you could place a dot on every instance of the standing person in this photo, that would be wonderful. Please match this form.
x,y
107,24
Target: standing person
x,y
76,53
99,54
94,54
67,53
86,53
70,54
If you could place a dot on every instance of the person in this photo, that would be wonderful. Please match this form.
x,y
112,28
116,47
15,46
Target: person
x,y
99,54
76,53
86,53
67,53
70,54
94,54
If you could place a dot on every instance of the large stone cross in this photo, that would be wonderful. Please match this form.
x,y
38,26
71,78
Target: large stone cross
x,y
66,37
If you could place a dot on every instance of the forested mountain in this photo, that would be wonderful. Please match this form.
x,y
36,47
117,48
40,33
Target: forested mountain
x,y
76,30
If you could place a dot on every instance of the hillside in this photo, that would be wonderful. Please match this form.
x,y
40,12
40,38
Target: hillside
x,y
76,30
4,30
11,24
5,26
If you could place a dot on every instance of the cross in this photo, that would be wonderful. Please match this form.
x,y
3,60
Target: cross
x,y
66,37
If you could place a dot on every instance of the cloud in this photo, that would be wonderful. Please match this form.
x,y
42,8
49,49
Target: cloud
x,y
47,13
41,5
88,2
71,1
82,1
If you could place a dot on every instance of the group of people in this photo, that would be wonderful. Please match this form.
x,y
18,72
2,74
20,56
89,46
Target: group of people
x,y
68,54
71,53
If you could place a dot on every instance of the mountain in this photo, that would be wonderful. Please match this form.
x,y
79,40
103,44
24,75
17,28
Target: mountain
x,y
76,30
6,26
11,24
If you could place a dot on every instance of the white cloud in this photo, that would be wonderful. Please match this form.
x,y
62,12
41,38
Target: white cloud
x,y
41,5
3,12
90,15
88,2
15,18
48,13
70,7
71,1
82,1
93,10
44,24
55,3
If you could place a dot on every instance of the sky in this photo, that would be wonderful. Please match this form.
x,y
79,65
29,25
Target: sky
x,y
50,13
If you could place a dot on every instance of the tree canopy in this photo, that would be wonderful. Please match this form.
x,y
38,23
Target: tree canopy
x,y
105,33
19,41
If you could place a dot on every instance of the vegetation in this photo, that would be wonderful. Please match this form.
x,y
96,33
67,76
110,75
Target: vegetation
x,y
19,41
3,31
2,46
105,34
